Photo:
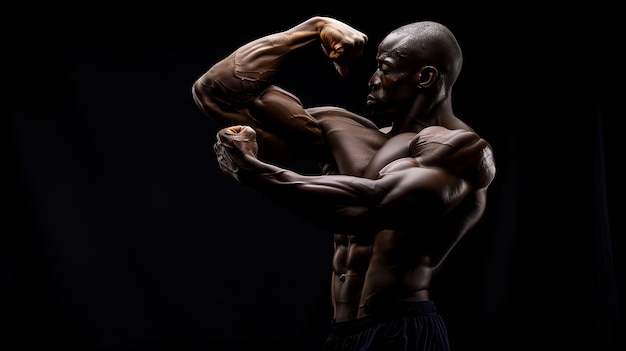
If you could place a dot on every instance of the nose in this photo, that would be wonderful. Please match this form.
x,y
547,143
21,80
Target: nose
x,y
374,81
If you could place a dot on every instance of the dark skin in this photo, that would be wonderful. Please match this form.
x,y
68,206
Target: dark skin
x,y
400,197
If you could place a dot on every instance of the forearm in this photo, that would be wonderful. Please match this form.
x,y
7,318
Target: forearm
x,y
254,66
247,71
402,194
259,60
337,203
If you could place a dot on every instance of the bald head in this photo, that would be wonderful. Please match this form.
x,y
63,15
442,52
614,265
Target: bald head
x,y
427,43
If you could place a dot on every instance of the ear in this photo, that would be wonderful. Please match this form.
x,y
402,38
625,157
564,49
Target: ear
x,y
426,76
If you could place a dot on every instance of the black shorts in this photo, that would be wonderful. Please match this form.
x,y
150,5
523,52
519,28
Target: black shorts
x,y
418,327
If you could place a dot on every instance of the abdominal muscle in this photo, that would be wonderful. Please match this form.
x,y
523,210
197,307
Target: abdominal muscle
x,y
373,274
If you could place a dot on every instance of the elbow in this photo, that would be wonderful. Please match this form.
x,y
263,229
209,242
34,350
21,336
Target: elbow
x,y
203,93
201,87
197,94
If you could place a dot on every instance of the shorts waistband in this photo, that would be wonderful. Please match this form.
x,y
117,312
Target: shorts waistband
x,y
397,312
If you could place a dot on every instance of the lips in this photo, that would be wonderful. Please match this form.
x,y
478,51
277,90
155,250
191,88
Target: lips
x,y
371,100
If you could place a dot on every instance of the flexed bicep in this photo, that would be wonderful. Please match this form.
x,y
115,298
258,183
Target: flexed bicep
x,y
285,131
241,88
418,192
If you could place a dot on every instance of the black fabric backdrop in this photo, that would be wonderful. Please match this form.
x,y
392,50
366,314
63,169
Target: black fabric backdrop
x,y
120,233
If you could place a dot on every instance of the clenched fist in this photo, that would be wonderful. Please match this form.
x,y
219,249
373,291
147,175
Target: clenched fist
x,y
341,43
234,145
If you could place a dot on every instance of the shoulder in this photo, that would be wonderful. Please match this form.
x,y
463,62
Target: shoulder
x,y
458,150
436,144
437,135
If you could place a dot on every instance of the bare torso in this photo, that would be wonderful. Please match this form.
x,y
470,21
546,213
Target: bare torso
x,y
371,270
370,274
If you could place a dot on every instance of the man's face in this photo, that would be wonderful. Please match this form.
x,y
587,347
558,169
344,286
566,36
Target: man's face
x,y
393,85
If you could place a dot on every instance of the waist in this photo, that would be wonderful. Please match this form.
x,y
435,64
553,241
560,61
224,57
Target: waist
x,y
396,311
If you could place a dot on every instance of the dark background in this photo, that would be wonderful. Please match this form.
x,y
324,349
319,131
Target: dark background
x,y
118,231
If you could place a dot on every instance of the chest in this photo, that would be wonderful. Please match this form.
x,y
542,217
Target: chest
x,y
360,150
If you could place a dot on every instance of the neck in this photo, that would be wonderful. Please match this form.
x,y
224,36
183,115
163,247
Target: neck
x,y
424,114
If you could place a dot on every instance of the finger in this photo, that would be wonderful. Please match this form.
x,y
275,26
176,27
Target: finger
x,y
224,160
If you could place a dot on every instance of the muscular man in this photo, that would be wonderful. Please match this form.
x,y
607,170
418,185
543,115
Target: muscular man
x,y
399,189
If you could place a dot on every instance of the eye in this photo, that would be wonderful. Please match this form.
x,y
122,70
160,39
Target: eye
x,y
384,68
